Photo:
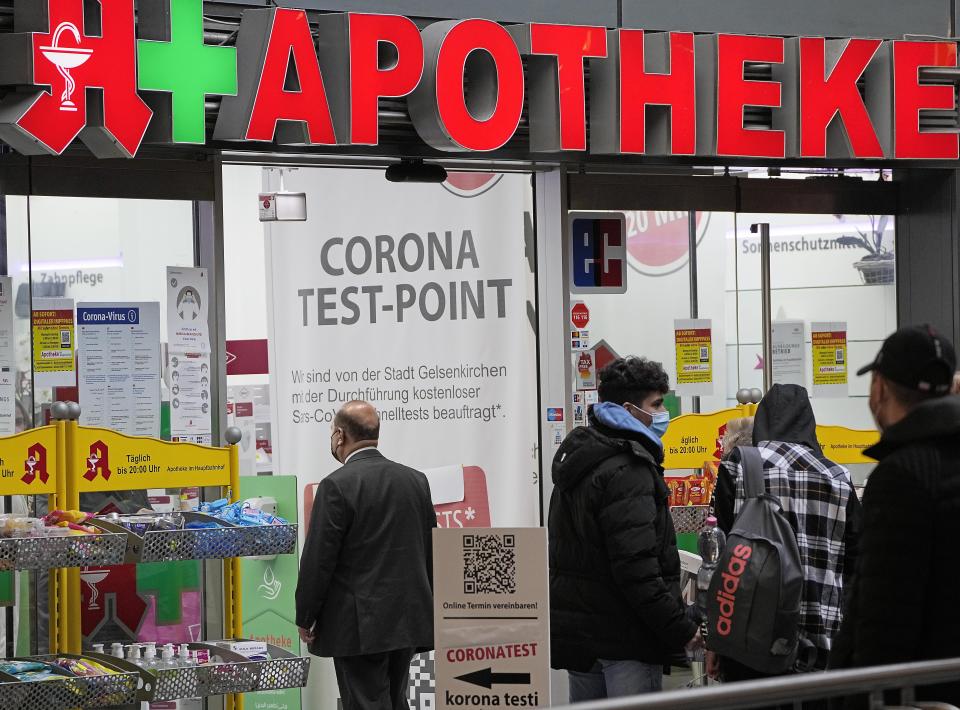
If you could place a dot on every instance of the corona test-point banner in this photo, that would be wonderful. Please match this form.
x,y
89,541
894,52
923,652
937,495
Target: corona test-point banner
x,y
413,297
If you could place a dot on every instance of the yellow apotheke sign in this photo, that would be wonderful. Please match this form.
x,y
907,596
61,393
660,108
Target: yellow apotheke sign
x,y
693,439
28,463
109,461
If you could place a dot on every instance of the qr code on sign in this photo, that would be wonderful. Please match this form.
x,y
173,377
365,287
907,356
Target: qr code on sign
x,y
489,564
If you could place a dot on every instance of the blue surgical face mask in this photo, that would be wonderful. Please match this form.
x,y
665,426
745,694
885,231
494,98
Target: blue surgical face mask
x,y
659,421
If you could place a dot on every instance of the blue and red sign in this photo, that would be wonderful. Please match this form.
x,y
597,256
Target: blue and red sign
x,y
598,253
554,414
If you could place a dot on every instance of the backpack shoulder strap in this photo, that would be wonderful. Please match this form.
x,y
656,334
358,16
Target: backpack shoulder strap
x,y
752,464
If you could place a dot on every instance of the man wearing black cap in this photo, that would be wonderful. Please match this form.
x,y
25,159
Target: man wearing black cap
x,y
901,606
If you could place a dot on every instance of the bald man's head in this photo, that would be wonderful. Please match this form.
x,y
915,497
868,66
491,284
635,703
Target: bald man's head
x,y
359,422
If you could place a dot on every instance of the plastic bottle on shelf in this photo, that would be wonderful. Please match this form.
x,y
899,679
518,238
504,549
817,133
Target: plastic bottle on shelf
x,y
116,650
167,661
133,655
185,657
97,648
710,545
150,658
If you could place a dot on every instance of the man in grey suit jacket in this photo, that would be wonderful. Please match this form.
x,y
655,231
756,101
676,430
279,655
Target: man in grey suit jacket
x,y
365,593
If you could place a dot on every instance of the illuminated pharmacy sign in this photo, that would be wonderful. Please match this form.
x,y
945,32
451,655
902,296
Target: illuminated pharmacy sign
x,y
318,80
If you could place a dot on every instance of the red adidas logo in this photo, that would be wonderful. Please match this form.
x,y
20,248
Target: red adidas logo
x,y
727,595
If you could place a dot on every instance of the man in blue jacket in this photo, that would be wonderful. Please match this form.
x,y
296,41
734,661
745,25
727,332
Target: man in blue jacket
x,y
615,609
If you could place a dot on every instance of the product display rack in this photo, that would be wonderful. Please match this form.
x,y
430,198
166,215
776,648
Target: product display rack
x,y
222,542
689,518
64,460
234,674
70,691
23,553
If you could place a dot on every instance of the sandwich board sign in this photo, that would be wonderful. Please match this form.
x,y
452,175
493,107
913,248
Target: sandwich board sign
x,y
492,617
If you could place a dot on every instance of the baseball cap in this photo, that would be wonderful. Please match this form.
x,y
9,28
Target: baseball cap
x,y
916,357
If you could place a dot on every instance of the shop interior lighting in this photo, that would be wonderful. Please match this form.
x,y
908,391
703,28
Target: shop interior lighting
x,y
415,171
815,230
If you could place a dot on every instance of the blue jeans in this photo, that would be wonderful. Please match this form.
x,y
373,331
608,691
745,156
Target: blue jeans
x,y
613,679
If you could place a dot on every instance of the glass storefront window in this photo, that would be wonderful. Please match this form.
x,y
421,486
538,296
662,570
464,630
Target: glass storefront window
x,y
824,269
91,250
94,250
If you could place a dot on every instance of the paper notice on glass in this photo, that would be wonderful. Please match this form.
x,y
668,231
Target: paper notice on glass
x,y
190,402
8,401
829,349
693,341
7,350
188,300
8,370
53,343
789,353
579,409
188,356
119,356
585,374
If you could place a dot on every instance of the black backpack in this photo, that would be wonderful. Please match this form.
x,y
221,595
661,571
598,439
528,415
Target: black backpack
x,y
753,605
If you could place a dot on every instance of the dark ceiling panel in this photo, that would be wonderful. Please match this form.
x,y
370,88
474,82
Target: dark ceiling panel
x,y
825,18
594,12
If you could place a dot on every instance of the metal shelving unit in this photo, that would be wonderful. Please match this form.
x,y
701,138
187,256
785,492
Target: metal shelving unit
x,y
222,542
689,518
72,452
119,688
227,673
23,553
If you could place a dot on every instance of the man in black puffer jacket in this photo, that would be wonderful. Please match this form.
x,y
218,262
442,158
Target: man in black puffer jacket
x,y
615,608
901,607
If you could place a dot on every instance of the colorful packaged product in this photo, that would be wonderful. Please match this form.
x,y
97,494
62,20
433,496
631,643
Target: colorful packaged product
x,y
697,491
17,667
678,490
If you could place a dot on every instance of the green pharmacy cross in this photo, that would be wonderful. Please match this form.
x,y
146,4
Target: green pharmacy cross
x,y
188,69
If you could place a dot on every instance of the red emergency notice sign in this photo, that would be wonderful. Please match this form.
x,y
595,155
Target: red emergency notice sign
x,y
580,315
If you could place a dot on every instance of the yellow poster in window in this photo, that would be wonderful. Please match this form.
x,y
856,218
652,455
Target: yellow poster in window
x,y
53,342
829,344
694,348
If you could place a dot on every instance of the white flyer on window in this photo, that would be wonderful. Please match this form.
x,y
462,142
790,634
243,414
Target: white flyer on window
x,y
188,356
789,354
190,397
8,371
7,350
8,401
119,377
188,299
